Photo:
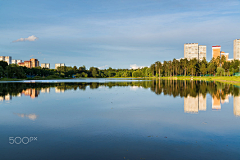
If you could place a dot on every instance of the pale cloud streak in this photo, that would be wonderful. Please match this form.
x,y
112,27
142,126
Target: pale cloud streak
x,y
135,66
30,38
103,67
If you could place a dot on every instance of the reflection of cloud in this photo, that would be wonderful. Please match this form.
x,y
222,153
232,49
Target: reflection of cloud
x,y
30,116
103,67
30,38
134,66
134,88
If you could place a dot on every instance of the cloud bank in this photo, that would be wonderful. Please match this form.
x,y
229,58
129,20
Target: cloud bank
x,y
30,38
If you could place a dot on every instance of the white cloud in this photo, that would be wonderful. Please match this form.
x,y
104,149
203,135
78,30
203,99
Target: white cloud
x,y
30,38
134,66
103,67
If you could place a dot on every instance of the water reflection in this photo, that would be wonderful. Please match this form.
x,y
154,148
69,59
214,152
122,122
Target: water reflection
x,y
193,92
29,116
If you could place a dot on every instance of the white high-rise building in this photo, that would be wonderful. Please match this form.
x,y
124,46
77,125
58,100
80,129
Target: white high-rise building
x,y
7,59
236,49
193,50
45,65
59,65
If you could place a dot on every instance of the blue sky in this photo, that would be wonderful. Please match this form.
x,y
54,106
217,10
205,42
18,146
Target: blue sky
x,y
114,33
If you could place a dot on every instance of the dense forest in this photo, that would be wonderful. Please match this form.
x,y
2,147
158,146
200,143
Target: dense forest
x,y
182,67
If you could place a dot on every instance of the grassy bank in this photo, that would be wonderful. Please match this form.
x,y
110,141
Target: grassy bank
x,y
229,80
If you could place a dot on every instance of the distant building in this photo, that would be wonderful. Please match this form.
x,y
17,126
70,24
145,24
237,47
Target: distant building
x,y
14,61
226,55
236,49
59,65
19,61
202,52
30,64
7,59
45,65
216,51
193,50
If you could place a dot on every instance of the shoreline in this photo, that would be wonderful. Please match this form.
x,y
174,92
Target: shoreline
x,y
228,80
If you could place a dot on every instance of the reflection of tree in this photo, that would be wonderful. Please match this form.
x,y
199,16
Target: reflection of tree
x,y
173,88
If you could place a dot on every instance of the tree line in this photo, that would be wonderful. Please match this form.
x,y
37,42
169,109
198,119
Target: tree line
x,y
182,67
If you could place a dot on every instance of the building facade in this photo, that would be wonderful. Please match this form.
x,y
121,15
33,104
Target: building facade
x,y
45,65
7,59
14,61
59,65
193,50
236,49
226,55
30,64
216,51
202,52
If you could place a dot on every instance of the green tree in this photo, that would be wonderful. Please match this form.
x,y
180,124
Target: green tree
x,y
1,72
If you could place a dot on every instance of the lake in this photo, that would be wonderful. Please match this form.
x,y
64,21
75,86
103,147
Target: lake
x,y
119,119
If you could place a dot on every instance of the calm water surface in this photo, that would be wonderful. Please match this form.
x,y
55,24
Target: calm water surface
x,y
119,119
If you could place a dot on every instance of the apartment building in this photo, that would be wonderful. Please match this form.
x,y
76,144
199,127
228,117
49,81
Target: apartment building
x,y
236,49
7,59
193,50
30,64
14,61
45,65
226,55
59,65
216,51
202,52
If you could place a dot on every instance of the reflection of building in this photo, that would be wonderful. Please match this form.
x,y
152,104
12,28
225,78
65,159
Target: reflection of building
x,y
30,64
226,100
45,90
1,98
193,50
59,65
59,90
236,49
7,97
7,59
236,105
195,104
202,105
216,105
33,93
216,51
45,65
